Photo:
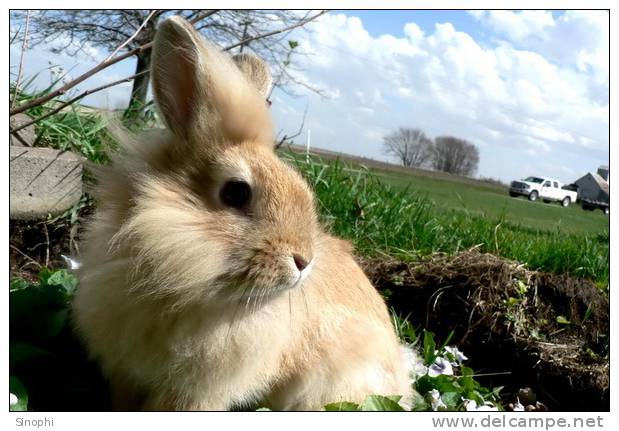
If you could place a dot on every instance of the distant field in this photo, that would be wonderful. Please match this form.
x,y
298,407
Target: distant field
x,y
493,201
481,198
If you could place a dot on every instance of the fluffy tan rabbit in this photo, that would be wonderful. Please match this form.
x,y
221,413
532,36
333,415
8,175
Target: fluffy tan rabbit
x,y
207,282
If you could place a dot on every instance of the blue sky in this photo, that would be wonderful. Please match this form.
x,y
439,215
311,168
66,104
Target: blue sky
x,y
530,88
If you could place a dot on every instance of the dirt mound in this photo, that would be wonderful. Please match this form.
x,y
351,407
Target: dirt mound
x,y
549,332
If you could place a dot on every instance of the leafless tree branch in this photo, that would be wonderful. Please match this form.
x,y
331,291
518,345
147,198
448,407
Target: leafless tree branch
x,y
101,66
133,36
24,47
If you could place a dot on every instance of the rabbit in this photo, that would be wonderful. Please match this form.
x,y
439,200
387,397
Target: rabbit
x,y
207,281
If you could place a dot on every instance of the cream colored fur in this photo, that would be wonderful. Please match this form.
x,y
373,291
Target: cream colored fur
x,y
190,305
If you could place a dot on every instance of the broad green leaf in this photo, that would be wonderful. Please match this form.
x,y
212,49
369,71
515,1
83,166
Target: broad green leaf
x,y
378,403
451,399
63,279
343,406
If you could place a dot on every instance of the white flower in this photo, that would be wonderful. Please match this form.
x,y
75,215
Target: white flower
x,y
441,366
73,264
472,406
518,407
456,353
13,399
436,401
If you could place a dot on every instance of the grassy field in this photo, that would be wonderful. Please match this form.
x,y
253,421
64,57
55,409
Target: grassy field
x,y
476,197
413,216
493,201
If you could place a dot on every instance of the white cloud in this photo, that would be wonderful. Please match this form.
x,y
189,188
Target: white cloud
x,y
516,25
508,96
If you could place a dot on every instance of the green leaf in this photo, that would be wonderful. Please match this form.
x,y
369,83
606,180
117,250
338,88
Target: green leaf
x,y
21,352
19,391
419,404
18,283
447,340
378,403
263,409
64,279
451,399
429,347
447,384
343,406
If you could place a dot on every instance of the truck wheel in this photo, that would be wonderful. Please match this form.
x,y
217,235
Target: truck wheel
x,y
606,210
566,202
533,195
513,195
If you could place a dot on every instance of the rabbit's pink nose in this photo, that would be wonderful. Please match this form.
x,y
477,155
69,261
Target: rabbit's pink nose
x,y
300,262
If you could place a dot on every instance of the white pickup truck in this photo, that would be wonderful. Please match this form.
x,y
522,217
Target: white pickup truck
x,y
543,188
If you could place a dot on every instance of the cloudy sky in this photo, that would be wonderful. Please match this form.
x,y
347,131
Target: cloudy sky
x,y
530,88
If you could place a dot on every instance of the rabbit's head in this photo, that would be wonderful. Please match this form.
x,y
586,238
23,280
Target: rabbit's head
x,y
214,212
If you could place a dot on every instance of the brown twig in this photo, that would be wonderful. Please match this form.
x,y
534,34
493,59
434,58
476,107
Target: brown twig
x,y
286,137
133,36
25,255
103,65
24,47
274,32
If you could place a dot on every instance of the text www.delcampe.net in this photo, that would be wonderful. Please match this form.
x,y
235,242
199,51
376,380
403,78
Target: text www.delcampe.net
x,y
518,422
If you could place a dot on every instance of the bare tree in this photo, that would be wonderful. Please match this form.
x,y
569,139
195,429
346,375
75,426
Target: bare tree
x,y
455,155
74,31
410,146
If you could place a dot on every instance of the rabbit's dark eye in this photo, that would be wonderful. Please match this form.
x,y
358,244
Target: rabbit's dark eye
x,y
236,194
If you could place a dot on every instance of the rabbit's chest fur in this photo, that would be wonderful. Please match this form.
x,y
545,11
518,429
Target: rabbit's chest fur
x,y
194,349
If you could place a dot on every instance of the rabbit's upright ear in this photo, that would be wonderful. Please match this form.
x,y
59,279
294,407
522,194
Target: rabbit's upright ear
x,y
257,71
201,92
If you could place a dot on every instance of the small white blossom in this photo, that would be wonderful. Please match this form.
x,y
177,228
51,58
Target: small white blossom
x,y
73,264
472,406
518,407
441,366
456,353
436,401
13,399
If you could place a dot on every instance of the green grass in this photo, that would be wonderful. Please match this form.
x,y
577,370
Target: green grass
x,y
382,217
493,201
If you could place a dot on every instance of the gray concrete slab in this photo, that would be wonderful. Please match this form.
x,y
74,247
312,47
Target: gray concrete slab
x,y
43,182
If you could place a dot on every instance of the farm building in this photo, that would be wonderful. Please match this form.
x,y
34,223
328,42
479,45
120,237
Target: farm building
x,y
594,186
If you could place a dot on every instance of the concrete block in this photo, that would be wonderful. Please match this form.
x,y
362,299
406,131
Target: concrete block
x,y
27,135
43,182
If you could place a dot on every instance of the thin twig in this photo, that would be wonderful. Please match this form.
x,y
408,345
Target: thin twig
x,y
133,36
25,255
46,245
103,65
286,137
274,32
76,98
24,47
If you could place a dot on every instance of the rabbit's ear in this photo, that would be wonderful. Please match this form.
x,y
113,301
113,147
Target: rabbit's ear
x,y
201,92
257,71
